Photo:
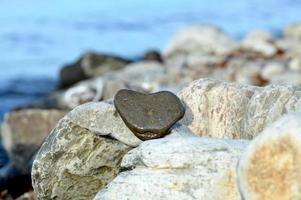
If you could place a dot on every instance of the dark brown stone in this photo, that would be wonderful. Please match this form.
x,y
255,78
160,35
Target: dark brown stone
x,y
149,116
89,65
153,55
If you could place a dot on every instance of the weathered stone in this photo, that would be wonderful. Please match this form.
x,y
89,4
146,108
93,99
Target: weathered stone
x,y
271,166
74,163
102,119
189,168
199,38
23,133
149,116
230,110
90,65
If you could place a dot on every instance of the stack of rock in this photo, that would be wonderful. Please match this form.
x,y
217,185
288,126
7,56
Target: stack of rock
x,y
91,153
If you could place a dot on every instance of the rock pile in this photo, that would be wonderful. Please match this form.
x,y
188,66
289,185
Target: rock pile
x,y
239,96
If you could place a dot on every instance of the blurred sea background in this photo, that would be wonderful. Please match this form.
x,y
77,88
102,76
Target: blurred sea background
x,y
38,37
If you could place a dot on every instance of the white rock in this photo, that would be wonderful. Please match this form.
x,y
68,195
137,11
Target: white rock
x,y
295,64
183,168
272,69
83,92
271,165
199,38
230,110
261,42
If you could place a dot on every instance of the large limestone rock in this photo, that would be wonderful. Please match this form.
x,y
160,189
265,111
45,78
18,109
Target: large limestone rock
x,y
23,133
81,156
178,167
199,38
271,166
230,110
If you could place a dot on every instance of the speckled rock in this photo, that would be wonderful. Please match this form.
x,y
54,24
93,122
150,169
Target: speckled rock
x,y
271,166
80,156
199,38
149,116
230,110
75,163
23,133
190,168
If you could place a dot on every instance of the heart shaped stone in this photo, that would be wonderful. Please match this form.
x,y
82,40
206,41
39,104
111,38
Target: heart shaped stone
x,y
148,116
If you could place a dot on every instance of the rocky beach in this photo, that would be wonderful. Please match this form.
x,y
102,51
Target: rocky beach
x,y
238,138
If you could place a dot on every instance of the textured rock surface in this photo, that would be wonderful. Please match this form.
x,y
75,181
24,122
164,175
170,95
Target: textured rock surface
x,y
74,163
103,119
271,166
149,116
231,110
199,38
190,168
24,131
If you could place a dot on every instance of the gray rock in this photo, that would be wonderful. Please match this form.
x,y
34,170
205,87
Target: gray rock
x,y
183,168
270,166
74,163
149,116
102,119
23,133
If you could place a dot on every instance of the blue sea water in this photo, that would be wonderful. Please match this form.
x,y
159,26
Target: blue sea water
x,y
38,37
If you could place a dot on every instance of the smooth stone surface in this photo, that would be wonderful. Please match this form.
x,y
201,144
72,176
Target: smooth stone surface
x,y
149,116
270,168
183,167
